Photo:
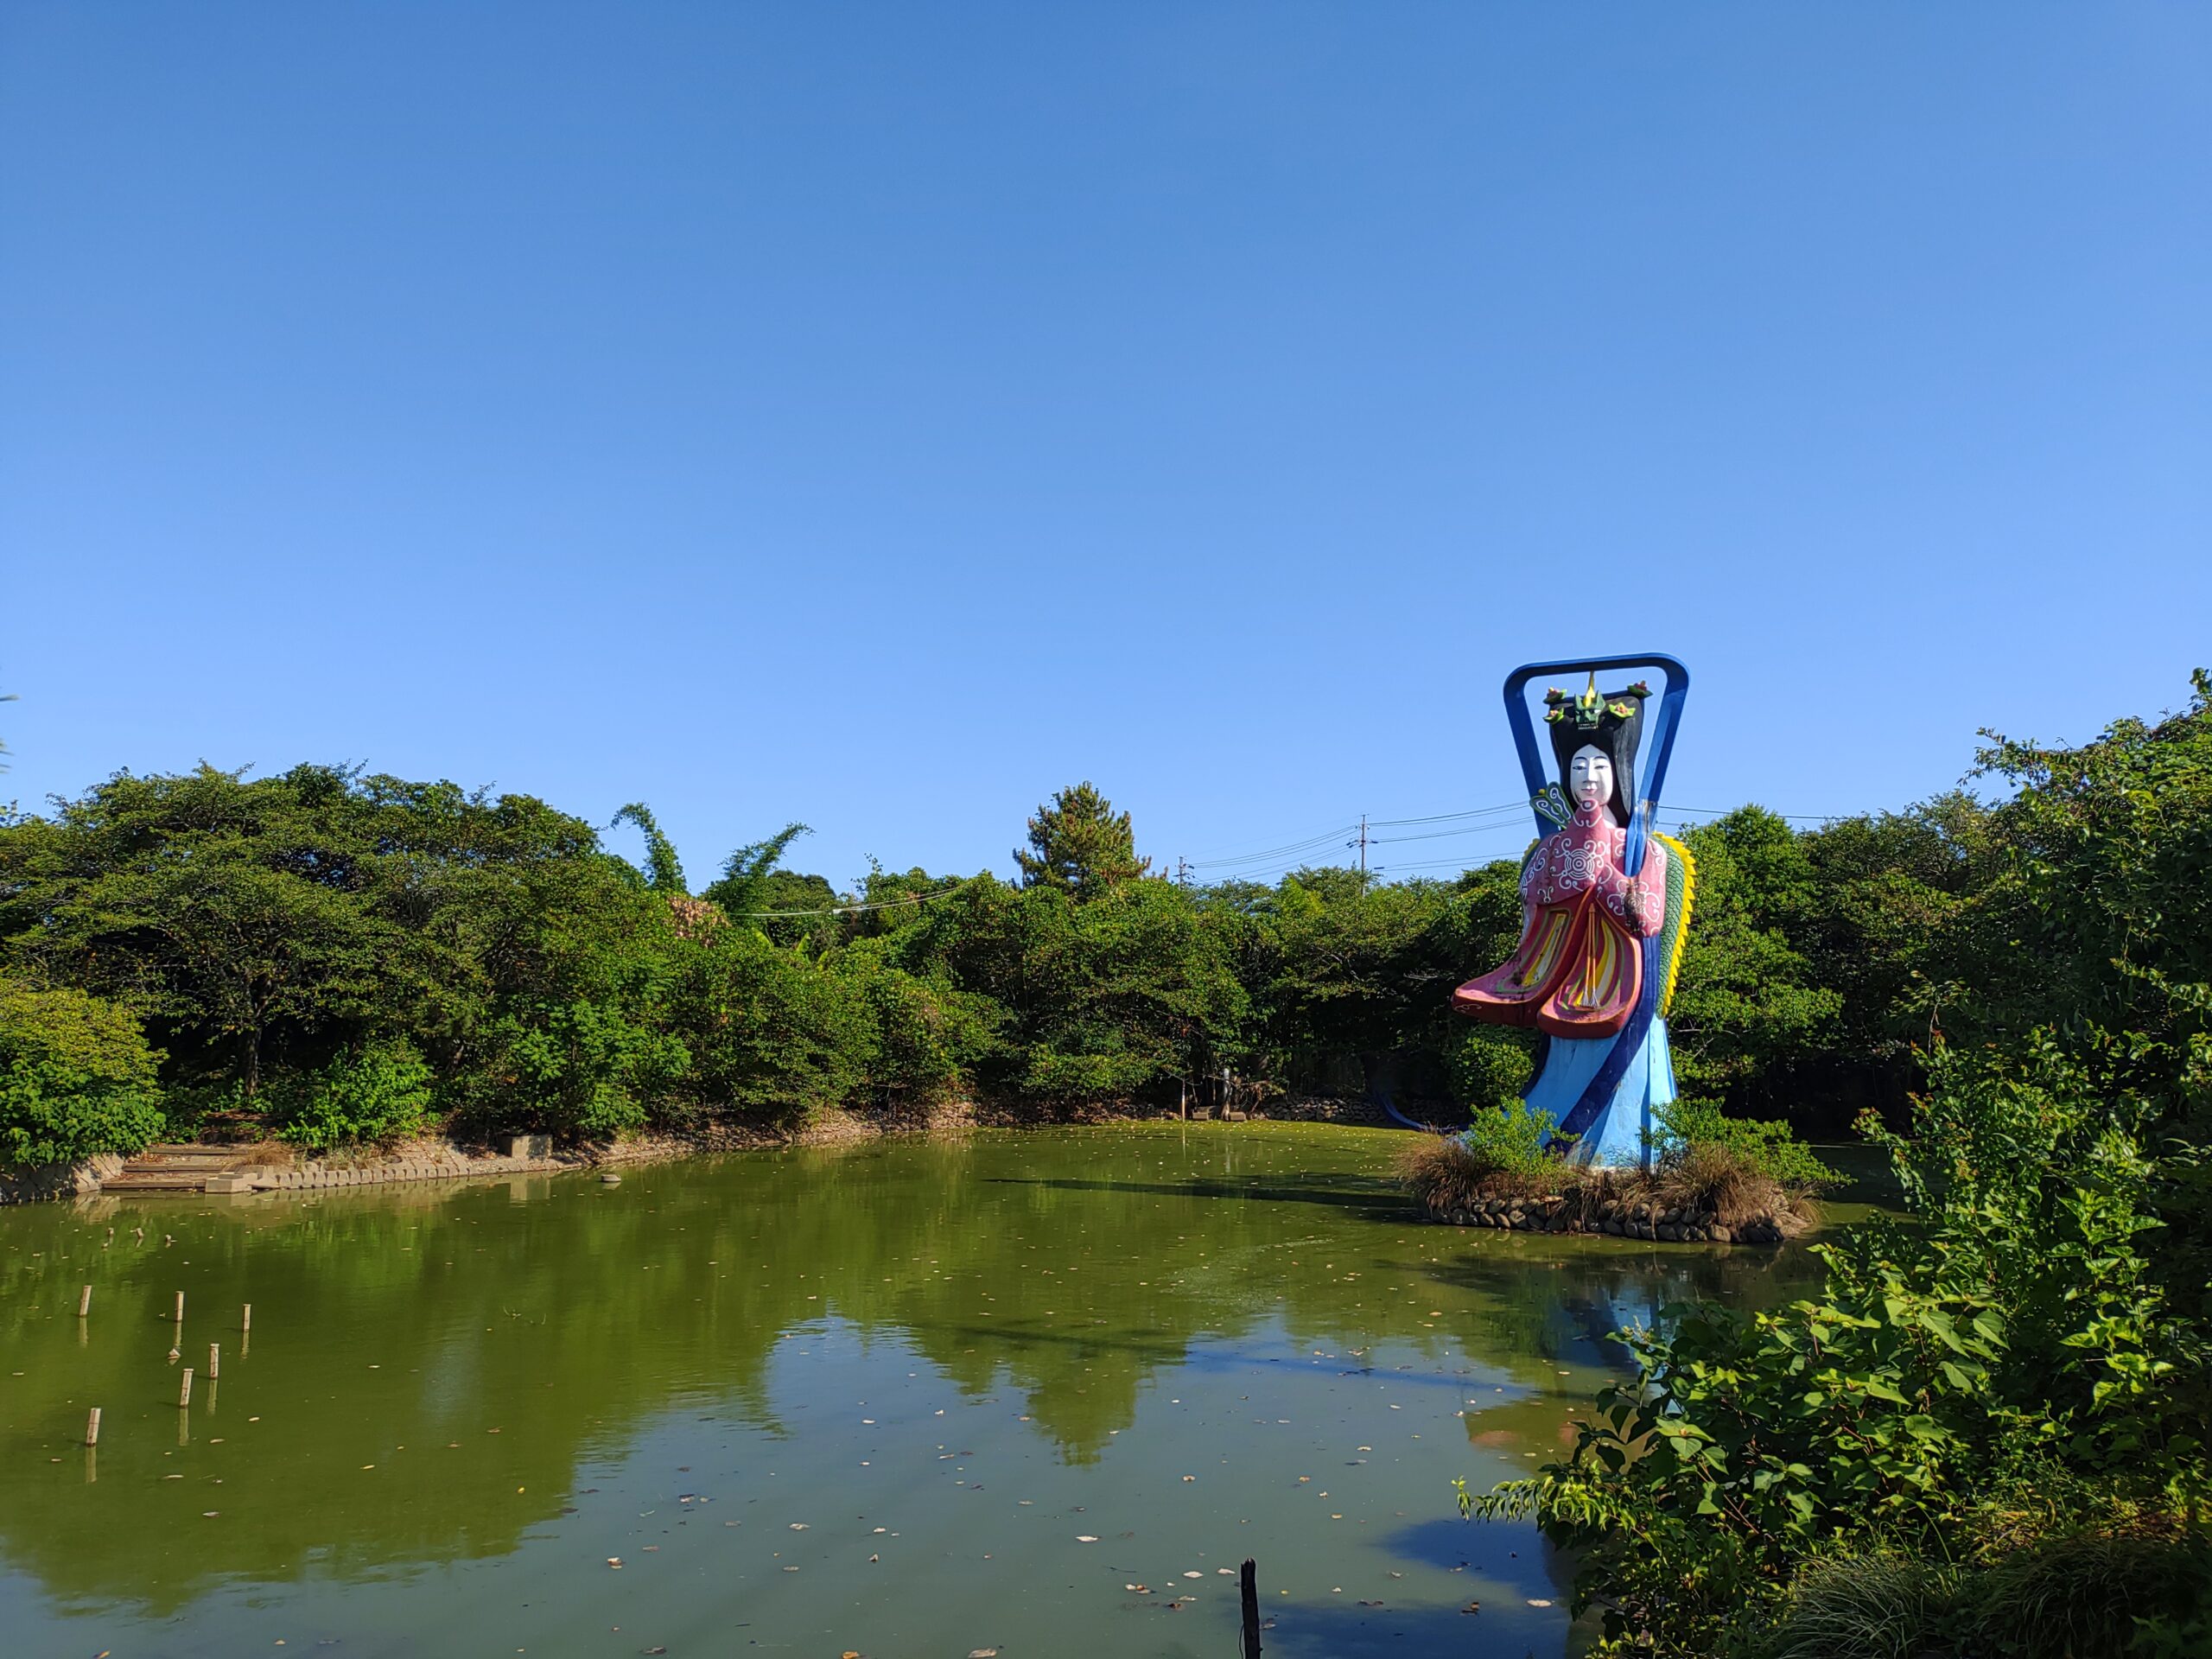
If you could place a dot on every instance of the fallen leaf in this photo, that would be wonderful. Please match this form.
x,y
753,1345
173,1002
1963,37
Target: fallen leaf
x,y
1085,1538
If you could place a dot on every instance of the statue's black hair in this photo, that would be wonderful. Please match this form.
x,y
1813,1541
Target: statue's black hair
x,y
1614,734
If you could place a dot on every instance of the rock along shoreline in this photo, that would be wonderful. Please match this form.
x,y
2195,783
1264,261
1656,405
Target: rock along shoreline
x,y
1620,1218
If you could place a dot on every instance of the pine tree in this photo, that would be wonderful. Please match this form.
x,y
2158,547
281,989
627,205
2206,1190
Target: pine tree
x,y
1079,843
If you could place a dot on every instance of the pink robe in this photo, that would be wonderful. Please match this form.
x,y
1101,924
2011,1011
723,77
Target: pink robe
x,y
1578,968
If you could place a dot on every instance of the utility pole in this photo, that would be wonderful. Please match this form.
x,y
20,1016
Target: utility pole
x,y
1362,844
1182,870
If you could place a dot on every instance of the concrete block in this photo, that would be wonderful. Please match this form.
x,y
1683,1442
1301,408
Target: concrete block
x,y
531,1146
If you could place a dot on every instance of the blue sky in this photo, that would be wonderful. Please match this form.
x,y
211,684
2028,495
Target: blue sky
x,y
882,415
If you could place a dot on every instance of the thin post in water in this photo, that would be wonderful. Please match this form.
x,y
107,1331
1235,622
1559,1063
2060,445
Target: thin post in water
x,y
93,1427
245,1318
84,1301
179,1307
1249,1580
214,1360
184,1388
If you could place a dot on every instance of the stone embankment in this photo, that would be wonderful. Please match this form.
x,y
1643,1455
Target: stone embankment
x,y
1622,1218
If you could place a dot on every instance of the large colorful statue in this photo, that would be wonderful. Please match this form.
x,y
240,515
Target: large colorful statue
x,y
1605,904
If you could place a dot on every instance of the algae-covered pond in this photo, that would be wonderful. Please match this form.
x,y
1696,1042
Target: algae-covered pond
x,y
918,1397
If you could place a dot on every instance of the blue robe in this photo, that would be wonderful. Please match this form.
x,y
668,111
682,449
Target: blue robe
x,y
1621,1134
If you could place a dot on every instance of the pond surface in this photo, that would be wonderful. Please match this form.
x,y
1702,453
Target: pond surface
x,y
914,1398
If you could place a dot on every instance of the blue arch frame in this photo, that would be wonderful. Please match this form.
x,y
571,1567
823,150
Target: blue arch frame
x,y
1658,749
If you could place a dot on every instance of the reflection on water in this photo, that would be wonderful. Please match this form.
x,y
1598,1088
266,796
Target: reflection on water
x,y
910,1398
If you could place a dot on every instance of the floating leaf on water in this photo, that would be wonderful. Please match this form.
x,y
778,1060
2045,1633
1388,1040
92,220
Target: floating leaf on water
x,y
1085,1538
1538,1601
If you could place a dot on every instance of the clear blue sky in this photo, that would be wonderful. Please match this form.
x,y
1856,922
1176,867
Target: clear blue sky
x,y
881,416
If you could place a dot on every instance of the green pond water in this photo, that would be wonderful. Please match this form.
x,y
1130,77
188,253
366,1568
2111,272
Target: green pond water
x,y
912,1398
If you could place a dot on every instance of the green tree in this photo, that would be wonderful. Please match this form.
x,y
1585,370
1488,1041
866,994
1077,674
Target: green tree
x,y
773,1032
1079,844
232,911
1748,1003
1098,1001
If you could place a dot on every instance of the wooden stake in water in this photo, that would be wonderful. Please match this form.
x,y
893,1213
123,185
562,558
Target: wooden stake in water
x,y
214,1360
84,1301
179,1307
246,1319
184,1388
1250,1578
93,1427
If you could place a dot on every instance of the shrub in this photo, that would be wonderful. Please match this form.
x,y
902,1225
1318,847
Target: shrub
x,y
2013,1342
1764,1148
76,1078
380,1094
1501,1150
1513,1140
586,1067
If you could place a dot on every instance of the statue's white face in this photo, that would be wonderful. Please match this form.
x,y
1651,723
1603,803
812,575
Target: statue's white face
x,y
1589,777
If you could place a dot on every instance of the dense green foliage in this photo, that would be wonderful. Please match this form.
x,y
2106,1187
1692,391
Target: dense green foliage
x,y
260,929
76,1078
378,1095
1988,1435
1765,1147
1510,1139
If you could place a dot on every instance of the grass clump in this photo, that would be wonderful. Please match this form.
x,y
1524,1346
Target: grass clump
x,y
1861,1607
2086,1596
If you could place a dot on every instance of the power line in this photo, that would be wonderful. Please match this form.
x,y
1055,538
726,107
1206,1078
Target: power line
x,y
1310,842
1444,817
1243,866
